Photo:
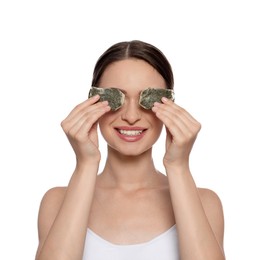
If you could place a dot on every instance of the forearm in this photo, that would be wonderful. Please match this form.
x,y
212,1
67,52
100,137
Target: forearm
x,y
66,237
196,237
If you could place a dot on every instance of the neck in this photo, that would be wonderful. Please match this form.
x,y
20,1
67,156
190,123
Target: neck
x,y
129,172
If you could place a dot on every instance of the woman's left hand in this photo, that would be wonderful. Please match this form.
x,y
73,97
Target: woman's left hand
x,y
182,130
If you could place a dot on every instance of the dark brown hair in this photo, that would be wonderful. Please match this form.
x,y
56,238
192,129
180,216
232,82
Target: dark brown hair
x,y
134,49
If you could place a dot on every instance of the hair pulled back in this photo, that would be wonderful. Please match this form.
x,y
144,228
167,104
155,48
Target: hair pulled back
x,y
134,49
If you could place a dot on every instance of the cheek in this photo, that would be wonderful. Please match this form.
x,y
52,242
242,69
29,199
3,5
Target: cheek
x,y
105,122
156,122
157,125
102,125
102,122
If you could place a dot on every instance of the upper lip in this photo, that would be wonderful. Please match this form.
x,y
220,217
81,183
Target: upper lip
x,y
130,128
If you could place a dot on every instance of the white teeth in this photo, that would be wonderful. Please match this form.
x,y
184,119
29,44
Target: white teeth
x,y
130,132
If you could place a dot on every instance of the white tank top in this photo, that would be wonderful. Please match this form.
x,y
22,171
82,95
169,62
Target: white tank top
x,y
163,247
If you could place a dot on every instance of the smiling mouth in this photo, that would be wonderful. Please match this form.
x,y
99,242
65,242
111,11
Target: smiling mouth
x,y
126,131
130,132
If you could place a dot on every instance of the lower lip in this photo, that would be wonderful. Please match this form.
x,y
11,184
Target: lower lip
x,y
130,138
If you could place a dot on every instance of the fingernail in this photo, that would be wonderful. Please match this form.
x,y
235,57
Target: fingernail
x,y
154,108
164,99
95,97
156,104
108,108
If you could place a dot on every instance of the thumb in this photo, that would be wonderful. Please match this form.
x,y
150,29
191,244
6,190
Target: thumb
x,y
168,137
93,133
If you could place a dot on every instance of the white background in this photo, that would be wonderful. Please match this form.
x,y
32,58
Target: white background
x,y
47,53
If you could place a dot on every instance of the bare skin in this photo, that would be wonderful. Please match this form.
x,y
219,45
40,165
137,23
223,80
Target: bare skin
x,y
130,196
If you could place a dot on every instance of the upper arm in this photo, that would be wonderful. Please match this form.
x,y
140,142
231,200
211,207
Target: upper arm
x,y
214,211
49,208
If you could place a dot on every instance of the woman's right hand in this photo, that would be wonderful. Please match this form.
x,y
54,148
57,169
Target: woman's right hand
x,y
80,127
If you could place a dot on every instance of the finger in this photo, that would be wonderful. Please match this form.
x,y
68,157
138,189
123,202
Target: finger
x,y
88,102
83,125
174,112
171,118
87,131
171,105
169,137
77,114
88,110
180,128
176,128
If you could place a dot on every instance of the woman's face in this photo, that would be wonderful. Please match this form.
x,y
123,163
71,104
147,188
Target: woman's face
x,y
131,130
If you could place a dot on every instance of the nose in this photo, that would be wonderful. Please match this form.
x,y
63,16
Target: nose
x,y
131,111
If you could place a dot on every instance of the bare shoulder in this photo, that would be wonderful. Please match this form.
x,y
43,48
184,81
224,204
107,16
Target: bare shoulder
x,y
50,204
49,208
209,198
213,208
54,194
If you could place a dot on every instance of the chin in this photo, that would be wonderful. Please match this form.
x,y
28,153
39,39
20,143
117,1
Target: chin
x,y
130,151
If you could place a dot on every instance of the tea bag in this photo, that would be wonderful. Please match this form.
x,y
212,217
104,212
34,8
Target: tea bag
x,y
151,95
114,96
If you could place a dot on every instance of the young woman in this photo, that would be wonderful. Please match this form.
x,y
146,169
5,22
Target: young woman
x,y
130,210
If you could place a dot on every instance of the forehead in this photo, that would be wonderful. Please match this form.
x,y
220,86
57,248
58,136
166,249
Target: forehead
x,y
132,74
